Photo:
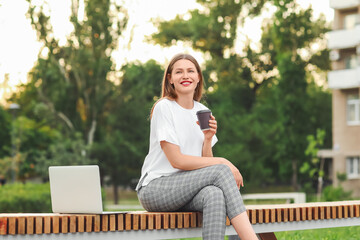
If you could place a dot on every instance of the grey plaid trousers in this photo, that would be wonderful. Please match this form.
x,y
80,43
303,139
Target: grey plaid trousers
x,y
211,190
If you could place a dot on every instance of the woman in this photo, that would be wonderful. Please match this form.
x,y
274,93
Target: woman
x,y
180,172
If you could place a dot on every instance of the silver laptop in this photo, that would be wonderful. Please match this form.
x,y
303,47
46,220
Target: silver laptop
x,y
75,189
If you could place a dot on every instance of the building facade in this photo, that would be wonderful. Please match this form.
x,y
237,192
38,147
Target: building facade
x,y
344,81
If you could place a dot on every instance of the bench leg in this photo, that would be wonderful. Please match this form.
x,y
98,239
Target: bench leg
x,y
267,236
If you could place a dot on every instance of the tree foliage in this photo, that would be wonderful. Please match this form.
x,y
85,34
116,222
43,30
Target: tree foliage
x,y
73,80
125,137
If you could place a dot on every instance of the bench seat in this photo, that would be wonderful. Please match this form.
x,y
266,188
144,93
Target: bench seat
x,y
266,219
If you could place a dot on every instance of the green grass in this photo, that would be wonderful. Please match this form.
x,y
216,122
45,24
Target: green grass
x,y
340,233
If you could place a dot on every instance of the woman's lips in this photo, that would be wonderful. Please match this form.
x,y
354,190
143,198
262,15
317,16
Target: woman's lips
x,y
185,83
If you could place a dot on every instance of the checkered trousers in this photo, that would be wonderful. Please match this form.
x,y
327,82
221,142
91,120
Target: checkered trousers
x,y
211,190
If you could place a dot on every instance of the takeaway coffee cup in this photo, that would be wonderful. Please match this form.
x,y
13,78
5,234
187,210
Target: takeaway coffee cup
x,y
204,117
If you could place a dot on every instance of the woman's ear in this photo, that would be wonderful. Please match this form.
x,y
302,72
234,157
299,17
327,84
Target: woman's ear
x,y
169,78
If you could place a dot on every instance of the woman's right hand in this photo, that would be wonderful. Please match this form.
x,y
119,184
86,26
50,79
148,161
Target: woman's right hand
x,y
237,175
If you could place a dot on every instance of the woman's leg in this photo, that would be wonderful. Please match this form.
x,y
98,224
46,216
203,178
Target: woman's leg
x,y
173,192
243,226
211,202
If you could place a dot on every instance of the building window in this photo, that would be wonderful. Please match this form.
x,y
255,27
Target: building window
x,y
353,109
351,20
353,167
351,61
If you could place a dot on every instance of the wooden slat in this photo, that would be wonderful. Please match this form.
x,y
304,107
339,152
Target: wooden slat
x,y
47,224
328,212
12,225
315,213
297,214
228,223
64,224
39,225
150,221
89,223
186,220
303,214
346,211
334,212
72,224
120,223
351,211
30,228
273,215
278,215
253,216
143,224
128,224
55,224
172,220
260,216
309,213
112,222
291,214
104,222
180,221
81,223
193,220
340,212
322,213
158,221
267,215
136,219
21,225
165,220
357,210
97,223
285,213
3,225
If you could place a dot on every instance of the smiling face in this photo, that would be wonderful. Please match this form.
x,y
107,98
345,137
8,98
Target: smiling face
x,y
184,77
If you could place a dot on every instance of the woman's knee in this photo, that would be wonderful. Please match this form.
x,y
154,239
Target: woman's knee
x,y
213,195
222,169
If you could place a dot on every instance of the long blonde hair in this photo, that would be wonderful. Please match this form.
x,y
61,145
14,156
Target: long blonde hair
x,y
168,90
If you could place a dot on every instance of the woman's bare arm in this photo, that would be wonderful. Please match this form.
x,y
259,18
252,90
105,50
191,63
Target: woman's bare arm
x,y
187,162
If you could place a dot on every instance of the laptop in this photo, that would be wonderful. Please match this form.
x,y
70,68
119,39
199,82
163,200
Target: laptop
x,y
76,189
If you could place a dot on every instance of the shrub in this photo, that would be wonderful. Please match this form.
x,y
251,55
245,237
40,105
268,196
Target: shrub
x,y
331,193
29,197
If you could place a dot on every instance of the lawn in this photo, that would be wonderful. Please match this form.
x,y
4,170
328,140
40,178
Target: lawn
x,y
341,233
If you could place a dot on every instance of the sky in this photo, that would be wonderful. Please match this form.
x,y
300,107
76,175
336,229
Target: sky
x,y
19,48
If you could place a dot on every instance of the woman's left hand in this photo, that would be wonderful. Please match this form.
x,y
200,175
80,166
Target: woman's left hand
x,y
208,134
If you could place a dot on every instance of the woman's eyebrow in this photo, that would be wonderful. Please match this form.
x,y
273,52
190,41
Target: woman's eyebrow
x,y
184,68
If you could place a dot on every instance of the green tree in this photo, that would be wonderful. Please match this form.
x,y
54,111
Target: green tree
x,y
74,80
315,167
126,134
5,137
291,30
71,85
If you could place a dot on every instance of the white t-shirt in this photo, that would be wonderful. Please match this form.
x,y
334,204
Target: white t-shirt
x,y
172,123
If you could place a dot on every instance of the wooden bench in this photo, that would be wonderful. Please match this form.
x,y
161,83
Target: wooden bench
x,y
266,219
297,197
